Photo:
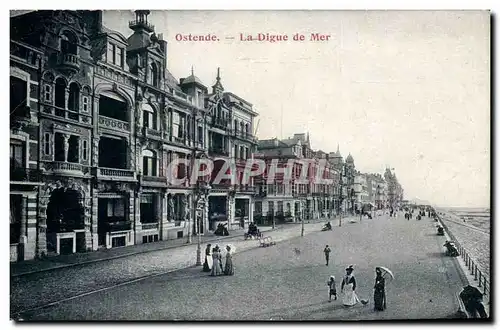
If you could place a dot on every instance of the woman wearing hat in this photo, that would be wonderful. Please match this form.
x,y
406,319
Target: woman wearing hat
x,y
207,265
229,269
348,288
379,291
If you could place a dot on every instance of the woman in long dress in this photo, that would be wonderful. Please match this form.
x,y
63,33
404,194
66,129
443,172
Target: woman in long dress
x,y
348,288
207,265
379,291
216,268
229,269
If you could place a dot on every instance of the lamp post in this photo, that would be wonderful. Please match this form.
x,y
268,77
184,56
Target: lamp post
x,y
302,223
202,190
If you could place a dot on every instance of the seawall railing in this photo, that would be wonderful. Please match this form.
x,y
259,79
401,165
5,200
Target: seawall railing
x,y
479,275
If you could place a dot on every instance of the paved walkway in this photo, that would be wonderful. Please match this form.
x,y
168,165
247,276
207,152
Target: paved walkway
x,y
270,283
42,287
289,286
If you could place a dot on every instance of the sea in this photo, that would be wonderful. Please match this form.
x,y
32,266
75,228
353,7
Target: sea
x,y
471,228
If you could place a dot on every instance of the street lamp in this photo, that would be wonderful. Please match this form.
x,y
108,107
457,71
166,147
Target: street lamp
x,y
302,221
202,190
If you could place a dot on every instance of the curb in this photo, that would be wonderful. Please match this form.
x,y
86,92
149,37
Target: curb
x,y
121,256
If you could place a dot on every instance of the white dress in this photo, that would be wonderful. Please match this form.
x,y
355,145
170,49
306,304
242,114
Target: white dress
x,y
210,261
350,298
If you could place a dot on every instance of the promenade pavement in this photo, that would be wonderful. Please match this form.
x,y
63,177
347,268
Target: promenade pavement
x,y
269,283
37,288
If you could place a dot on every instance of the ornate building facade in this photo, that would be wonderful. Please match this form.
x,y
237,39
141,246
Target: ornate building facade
x,y
96,119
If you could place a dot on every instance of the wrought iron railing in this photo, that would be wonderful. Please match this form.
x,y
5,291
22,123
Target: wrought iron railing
x,y
479,275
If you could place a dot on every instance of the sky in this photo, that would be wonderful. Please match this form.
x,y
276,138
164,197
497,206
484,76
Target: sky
x,y
409,90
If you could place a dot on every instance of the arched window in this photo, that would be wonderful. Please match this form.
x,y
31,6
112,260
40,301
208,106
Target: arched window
x,y
149,117
235,126
60,93
247,129
74,97
69,44
149,163
154,80
242,128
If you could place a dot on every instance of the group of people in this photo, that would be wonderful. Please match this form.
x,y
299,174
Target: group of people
x,y
213,261
348,289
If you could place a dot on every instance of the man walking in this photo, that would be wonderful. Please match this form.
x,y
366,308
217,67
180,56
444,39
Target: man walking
x,y
327,254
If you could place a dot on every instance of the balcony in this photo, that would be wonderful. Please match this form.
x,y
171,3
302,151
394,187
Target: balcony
x,y
117,226
182,96
220,123
69,62
25,175
66,168
153,133
141,24
218,152
244,136
115,174
114,124
247,189
150,226
152,181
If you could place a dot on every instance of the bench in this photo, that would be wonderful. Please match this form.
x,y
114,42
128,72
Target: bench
x,y
266,241
253,236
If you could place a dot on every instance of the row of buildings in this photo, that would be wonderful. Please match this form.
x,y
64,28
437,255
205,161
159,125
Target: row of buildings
x,y
96,118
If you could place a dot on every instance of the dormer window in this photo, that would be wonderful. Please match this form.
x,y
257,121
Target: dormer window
x,y
115,55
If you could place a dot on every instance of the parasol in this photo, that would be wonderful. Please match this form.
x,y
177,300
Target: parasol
x,y
387,271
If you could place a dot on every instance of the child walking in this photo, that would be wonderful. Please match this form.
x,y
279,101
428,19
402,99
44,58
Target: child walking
x,y
332,289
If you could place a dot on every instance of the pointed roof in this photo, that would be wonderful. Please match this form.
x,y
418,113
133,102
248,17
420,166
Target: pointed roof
x,y
349,158
192,79
337,153
217,87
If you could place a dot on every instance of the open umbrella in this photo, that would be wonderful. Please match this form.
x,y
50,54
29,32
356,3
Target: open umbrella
x,y
387,271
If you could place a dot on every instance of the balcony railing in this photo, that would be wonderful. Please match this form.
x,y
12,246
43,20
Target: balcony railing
x,y
246,189
146,25
149,226
218,151
69,62
152,181
244,136
115,172
117,226
20,174
183,96
220,123
58,166
153,132
114,124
